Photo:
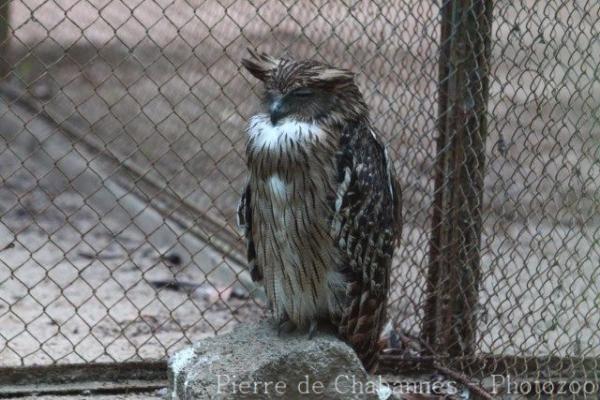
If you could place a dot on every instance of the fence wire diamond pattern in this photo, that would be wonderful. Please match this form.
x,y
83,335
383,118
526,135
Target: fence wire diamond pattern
x,y
122,161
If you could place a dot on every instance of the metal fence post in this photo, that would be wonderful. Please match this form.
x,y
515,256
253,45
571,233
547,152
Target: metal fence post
x,y
4,38
454,272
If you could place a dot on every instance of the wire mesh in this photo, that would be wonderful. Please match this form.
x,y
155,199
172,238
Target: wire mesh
x,y
122,163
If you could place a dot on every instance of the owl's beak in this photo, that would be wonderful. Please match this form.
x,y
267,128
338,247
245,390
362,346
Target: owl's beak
x,y
276,110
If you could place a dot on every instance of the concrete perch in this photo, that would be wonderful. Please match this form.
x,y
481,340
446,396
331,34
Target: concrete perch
x,y
253,362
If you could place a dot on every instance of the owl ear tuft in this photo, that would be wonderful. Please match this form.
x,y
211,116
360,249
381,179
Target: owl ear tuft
x,y
336,76
260,65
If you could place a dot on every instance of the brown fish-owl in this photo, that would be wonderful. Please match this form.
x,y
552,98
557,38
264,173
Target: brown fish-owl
x,y
322,210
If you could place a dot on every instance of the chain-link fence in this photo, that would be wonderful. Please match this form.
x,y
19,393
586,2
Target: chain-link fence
x,y
122,162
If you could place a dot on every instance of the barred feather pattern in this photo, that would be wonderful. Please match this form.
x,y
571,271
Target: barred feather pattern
x,y
366,226
321,213
322,209
292,171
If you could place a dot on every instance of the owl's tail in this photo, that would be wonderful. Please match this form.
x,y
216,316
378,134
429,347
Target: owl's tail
x,y
362,323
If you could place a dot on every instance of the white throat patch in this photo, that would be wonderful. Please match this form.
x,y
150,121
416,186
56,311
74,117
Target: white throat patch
x,y
264,134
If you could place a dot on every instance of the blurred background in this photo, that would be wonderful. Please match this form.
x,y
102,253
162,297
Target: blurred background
x,y
122,127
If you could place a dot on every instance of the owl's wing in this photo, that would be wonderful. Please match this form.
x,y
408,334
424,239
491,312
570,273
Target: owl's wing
x,y
366,226
244,214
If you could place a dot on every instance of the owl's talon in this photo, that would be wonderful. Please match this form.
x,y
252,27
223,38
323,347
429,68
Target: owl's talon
x,y
285,325
312,329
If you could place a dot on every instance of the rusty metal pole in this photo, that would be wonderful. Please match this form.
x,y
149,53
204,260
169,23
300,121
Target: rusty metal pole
x,y
4,38
449,325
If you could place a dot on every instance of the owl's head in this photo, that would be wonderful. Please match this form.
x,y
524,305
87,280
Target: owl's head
x,y
306,90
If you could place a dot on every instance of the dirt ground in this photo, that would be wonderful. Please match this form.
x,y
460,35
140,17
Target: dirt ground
x,y
159,85
78,284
